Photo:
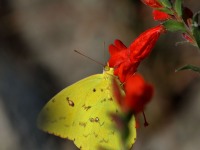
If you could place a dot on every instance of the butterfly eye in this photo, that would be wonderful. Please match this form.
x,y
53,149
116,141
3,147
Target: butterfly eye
x,y
106,68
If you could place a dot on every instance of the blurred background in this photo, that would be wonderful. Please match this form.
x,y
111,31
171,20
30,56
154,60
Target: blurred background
x,y
37,39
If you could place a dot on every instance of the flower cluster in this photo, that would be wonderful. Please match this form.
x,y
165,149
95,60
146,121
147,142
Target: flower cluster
x,y
173,16
177,17
158,14
125,61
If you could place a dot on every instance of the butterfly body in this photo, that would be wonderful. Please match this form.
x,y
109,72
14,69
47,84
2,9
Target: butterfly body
x,y
80,113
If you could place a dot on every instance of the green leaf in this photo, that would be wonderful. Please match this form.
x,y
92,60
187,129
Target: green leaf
x,y
178,7
166,3
196,28
166,10
196,34
173,25
189,67
196,18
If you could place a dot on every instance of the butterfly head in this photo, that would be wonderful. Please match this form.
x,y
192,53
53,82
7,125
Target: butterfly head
x,y
108,70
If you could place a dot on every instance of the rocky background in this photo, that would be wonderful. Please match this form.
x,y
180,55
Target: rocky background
x,y
37,39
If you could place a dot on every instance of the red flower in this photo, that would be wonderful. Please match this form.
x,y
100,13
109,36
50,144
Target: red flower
x,y
126,60
188,38
152,3
137,94
160,16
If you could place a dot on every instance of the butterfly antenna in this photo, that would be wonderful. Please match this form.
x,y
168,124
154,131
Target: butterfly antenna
x,y
89,58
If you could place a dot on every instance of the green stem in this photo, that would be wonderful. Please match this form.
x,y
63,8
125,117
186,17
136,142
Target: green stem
x,y
188,30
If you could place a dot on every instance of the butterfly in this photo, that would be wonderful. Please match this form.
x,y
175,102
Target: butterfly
x,y
80,112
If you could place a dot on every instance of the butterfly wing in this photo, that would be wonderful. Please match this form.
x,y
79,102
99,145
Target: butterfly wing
x,y
80,113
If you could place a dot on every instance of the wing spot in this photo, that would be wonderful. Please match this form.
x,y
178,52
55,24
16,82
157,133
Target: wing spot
x,y
110,99
97,120
103,100
67,126
101,90
83,124
101,124
104,141
54,121
94,90
62,118
86,107
96,135
73,123
70,102
94,119
113,132
86,135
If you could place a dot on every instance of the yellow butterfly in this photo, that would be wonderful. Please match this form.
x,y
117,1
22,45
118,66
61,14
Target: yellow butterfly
x,y
80,113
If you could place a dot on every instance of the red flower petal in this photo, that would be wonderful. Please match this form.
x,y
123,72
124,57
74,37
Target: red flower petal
x,y
188,38
117,47
138,93
152,3
118,57
160,16
119,44
143,45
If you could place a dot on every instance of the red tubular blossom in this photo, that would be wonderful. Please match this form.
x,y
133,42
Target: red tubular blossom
x,y
160,16
143,45
126,60
152,3
138,94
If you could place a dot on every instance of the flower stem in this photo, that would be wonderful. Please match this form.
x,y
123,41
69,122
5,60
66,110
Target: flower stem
x,y
188,29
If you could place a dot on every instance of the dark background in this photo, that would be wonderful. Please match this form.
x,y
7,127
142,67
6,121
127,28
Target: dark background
x,y
37,39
